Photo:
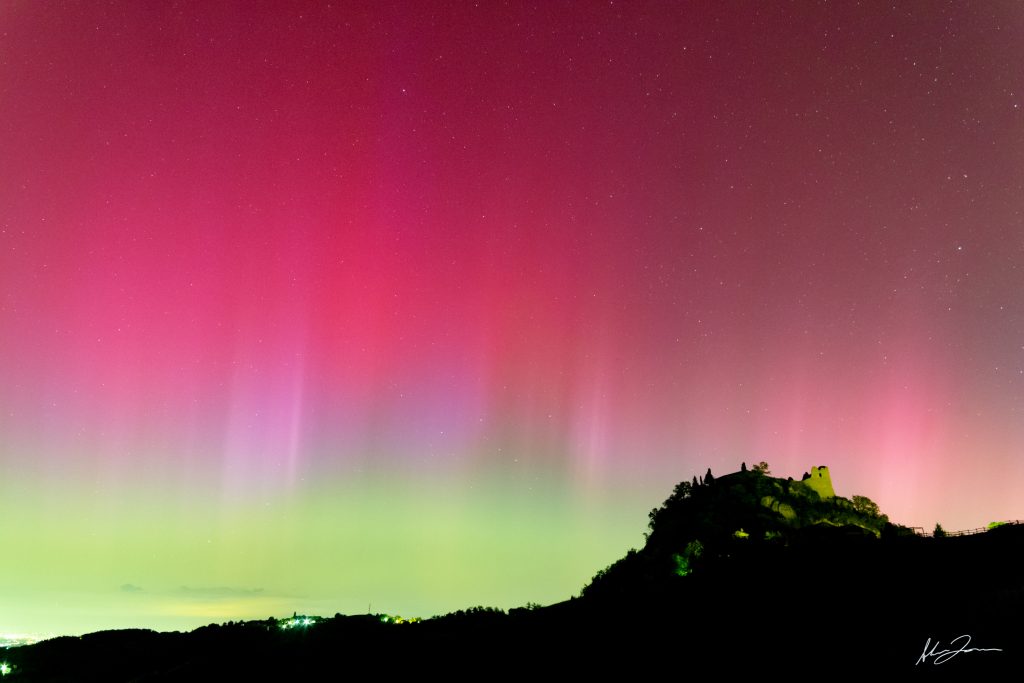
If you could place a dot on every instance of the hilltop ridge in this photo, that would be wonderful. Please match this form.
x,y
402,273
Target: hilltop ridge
x,y
708,518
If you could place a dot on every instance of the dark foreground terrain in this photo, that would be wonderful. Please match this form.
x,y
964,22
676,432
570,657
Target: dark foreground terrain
x,y
817,594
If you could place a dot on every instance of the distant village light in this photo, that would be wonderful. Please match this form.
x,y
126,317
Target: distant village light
x,y
5,668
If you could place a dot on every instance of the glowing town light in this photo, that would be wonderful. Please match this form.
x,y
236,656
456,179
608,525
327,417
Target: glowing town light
x,y
5,668
307,621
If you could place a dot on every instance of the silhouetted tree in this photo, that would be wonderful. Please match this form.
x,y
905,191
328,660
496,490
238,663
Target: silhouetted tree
x,y
695,482
939,531
652,516
762,467
743,466
866,506
708,477
682,490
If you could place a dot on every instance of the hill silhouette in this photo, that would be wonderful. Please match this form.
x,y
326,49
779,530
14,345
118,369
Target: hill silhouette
x,y
743,573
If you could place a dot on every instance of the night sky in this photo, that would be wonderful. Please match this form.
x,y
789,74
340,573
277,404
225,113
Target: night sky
x,y
417,306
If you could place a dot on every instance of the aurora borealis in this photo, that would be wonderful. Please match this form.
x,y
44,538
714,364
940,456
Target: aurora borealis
x,y
310,306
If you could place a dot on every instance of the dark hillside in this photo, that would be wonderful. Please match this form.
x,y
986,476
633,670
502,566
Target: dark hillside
x,y
745,573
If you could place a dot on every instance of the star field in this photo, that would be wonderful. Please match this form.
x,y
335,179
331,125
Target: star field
x,y
423,305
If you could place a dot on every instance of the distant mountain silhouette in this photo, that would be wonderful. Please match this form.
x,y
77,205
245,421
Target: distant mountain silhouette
x,y
740,574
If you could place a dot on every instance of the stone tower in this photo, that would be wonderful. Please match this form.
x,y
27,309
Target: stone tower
x,y
821,482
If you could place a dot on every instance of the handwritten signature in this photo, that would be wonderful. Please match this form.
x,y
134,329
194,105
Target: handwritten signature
x,y
943,656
